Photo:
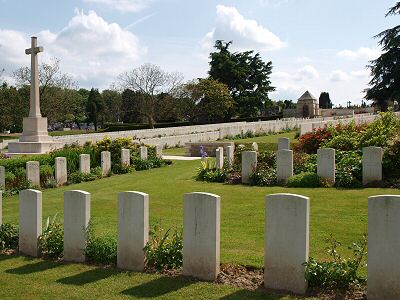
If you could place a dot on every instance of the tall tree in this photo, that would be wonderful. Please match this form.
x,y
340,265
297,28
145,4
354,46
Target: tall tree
x,y
148,81
212,98
325,101
385,70
246,75
94,107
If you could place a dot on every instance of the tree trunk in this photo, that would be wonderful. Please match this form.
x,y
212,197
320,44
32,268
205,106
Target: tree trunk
x,y
151,121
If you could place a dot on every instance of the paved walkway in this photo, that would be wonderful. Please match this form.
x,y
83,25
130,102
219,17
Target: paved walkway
x,y
176,157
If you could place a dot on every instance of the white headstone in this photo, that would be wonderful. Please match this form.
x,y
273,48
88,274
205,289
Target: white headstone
x,y
159,149
61,170
30,221
76,222
306,128
383,247
283,144
1,207
201,236
249,164
287,242
372,164
125,157
33,172
219,158
326,165
105,163
84,163
2,178
254,145
133,230
143,152
284,165
230,152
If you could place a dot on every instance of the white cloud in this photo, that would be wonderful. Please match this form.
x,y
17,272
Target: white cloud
x,y
123,5
303,60
92,50
338,75
307,72
245,33
360,53
360,73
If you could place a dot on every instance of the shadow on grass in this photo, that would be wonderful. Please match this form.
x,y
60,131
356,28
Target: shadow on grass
x,y
88,276
158,287
253,295
7,256
33,268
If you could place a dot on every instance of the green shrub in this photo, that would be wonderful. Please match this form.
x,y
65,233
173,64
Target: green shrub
x,y
303,162
263,177
208,172
266,159
306,180
339,272
9,236
348,169
102,249
52,239
46,174
164,249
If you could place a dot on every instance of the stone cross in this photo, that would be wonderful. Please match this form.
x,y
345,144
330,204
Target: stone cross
x,y
34,110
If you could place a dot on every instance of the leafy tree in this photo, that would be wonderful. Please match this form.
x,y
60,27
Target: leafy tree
x,y
212,98
246,75
385,70
113,103
325,101
94,107
14,105
148,81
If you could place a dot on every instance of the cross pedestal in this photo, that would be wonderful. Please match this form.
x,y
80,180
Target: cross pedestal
x,y
35,138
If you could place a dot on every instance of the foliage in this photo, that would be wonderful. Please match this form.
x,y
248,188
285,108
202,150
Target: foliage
x,y
263,177
102,249
266,159
212,98
348,169
208,172
385,70
78,177
52,239
9,236
164,249
46,174
381,131
94,106
305,179
246,75
325,101
303,162
311,142
339,272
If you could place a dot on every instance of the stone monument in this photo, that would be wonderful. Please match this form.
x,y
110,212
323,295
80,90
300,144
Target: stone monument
x,y
35,138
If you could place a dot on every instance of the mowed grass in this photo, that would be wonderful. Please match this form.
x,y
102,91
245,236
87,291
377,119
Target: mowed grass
x,y
340,212
26,278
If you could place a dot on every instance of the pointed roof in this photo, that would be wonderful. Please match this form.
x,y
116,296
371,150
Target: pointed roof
x,y
307,96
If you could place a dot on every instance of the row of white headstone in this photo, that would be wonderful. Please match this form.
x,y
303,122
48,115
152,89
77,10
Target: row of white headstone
x,y
326,166
61,174
286,247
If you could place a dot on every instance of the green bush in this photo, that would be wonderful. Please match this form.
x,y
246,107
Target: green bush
x,y
46,174
339,272
164,249
102,249
52,239
208,172
9,236
263,177
266,159
303,162
348,169
306,180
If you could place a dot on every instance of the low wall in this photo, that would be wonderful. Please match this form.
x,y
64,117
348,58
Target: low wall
x,y
193,149
178,136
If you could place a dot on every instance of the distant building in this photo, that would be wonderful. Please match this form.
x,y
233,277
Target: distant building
x,y
307,106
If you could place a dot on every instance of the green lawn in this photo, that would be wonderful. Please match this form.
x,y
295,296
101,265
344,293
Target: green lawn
x,y
26,278
175,151
341,212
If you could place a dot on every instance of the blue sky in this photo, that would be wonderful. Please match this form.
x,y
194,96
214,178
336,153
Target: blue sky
x,y
319,45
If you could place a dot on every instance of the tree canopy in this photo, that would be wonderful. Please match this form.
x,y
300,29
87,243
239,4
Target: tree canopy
x,y
246,75
385,70
325,101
